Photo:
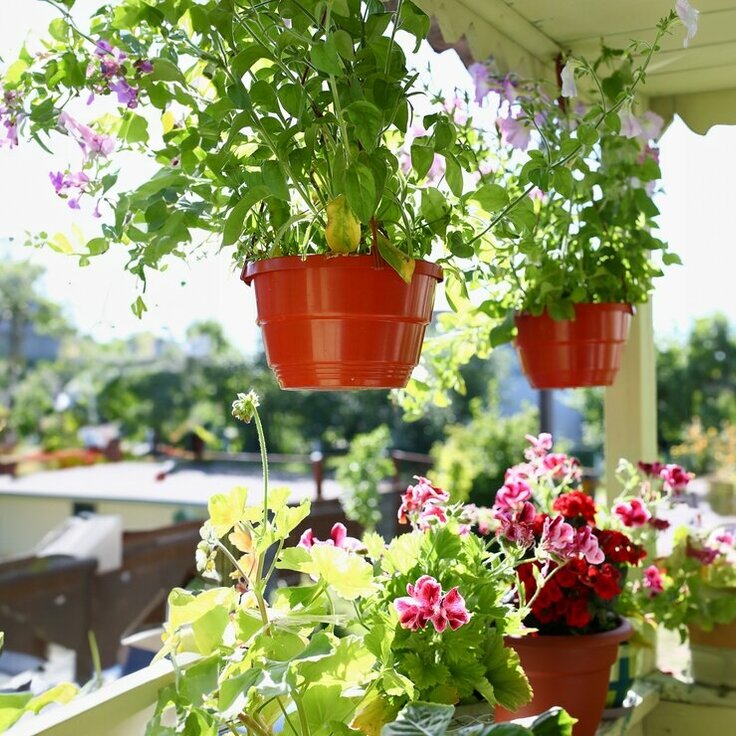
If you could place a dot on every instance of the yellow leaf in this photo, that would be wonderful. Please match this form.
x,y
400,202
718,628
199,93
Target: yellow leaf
x,y
373,715
60,243
241,540
167,121
226,510
398,260
343,229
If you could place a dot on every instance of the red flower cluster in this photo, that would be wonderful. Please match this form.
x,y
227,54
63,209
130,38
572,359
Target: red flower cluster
x,y
618,548
577,507
568,597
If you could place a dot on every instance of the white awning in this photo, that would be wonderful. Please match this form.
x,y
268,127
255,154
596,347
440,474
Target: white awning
x,y
697,83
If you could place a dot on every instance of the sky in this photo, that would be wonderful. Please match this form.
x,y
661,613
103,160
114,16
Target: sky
x,y
696,219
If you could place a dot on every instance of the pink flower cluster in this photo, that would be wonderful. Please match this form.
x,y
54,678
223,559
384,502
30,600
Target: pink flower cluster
x,y
111,74
11,115
675,478
426,602
338,538
653,580
563,540
422,504
632,513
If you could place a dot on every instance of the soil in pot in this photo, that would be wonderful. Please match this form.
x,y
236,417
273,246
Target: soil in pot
x,y
585,351
568,671
341,322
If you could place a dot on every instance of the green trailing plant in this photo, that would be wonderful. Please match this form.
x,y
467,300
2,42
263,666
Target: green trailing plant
x,y
360,474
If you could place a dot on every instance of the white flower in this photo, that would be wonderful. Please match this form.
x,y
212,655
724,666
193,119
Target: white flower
x,y
688,15
567,76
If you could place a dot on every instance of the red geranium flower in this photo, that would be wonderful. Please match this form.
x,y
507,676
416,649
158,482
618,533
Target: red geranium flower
x,y
618,548
576,507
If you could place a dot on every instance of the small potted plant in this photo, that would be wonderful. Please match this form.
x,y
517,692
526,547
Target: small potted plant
x,y
373,628
577,630
693,590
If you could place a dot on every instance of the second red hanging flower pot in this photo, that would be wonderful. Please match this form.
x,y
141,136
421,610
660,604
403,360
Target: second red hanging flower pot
x,y
341,322
585,351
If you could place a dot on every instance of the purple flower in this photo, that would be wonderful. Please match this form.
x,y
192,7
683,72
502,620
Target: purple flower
x,y
143,66
651,126
57,181
103,47
514,132
630,125
11,134
481,75
127,95
567,76
688,15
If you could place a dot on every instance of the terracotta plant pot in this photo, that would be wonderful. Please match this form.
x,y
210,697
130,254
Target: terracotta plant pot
x,y
714,655
569,671
585,351
341,322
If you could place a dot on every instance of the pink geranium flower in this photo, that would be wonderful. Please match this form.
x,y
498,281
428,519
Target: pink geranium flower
x,y
632,513
418,496
674,478
538,446
557,536
653,580
338,538
431,515
513,494
426,603
586,546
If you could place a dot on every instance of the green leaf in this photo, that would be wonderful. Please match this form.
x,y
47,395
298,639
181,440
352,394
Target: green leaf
x,y
422,157
166,71
344,44
420,719
454,176
133,128
209,629
325,58
587,135
59,29
458,247
12,707
340,7
288,518
503,332
554,722
360,189
367,121
247,57
671,259
235,221
435,210
491,197
62,693
275,179
234,691
97,246
297,559
398,260
138,307
414,21
564,182
15,72
443,135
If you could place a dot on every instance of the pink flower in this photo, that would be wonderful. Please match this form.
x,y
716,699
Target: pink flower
x,y
453,610
651,126
480,74
653,469
675,478
653,580
430,515
437,169
559,465
517,524
558,536
93,144
539,446
515,132
513,494
634,513
586,545
725,538
425,603
338,538
418,496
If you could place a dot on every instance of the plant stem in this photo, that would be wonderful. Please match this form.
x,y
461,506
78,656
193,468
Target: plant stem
x,y
302,715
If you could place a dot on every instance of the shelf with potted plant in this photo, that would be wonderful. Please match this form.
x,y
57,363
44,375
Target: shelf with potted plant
x,y
279,136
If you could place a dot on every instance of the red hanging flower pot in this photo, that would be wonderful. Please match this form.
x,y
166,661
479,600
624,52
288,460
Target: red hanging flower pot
x,y
570,353
341,322
569,671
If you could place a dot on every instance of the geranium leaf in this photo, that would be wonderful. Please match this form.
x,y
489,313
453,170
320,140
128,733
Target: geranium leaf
x,y
420,719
